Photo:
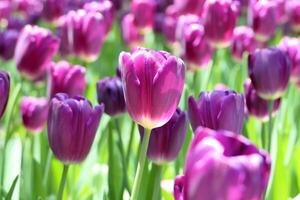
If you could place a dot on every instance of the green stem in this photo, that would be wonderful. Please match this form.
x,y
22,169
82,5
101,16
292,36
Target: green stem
x,y
130,142
270,109
263,135
141,163
195,81
111,193
210,69
47,168
156,191
62,182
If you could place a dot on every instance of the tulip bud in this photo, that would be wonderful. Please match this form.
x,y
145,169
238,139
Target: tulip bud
x,y
82,34
8,40
293,10
243,42
72,126
257,106
263,18
218,110
291,47
53,9
153,83
110,93
34,113
34,51
66,78
269,70
143,12
4,91
223,165
130,33
197,50
219,21
166,141
190,6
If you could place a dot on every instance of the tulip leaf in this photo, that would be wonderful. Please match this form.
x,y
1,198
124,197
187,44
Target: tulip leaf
x,y
12,188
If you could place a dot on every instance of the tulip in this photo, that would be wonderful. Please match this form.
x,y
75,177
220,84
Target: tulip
x,y
170,24
291,47
243,42
218,110
34,113
82,34
293,10
4,91
15,23
197,50
223,165
130,33
72,125
166,141
190,6
269,70
153,83
143,12
8,40
53,9
110,93
161,5
178,188
34,51
219,21
282,15
257,106
263,19
5,9
66,78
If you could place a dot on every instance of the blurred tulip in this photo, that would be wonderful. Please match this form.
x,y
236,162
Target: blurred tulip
x,y
170,24
5,9
82,34
243,42
223,165
293,10
263,19
53,9
110,93
72,126
144,13
291,46
30,9
8,40
130,33
190,6
161,5
15,23
282,15
34,51
66,78
218,110
166,141
269,70
4,91
34,113
219,21
257,106
153,83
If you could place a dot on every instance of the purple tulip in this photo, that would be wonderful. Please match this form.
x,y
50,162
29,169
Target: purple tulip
x,y
53,9
34,51
291,47
269,70
223,165
82,34
143,12
34,113
30,9
166,141
5,9
4,91
72,126
15,23
243,42
263,18
197,50
282,15
170,24
219,21
66,78
8,40
218,110
161,5
190,6
110,93
178,187
293,10
153,83
257,106
130,32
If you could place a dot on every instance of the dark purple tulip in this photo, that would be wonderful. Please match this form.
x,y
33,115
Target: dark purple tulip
x,y
293,10
82,34
110,93
4,91
72,126
34,113
166,141
223,165
130,32
144,13
291,46
263,19
8,40
269,70
257,106
190,6
66,78
15,23
197,50
34,51
53,9
219,21
153,83
218,110
161,5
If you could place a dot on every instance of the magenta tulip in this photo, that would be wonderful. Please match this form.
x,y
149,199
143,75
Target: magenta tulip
x,y
4,91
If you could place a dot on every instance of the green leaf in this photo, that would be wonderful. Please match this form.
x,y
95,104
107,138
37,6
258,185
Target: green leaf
x,y
12,188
